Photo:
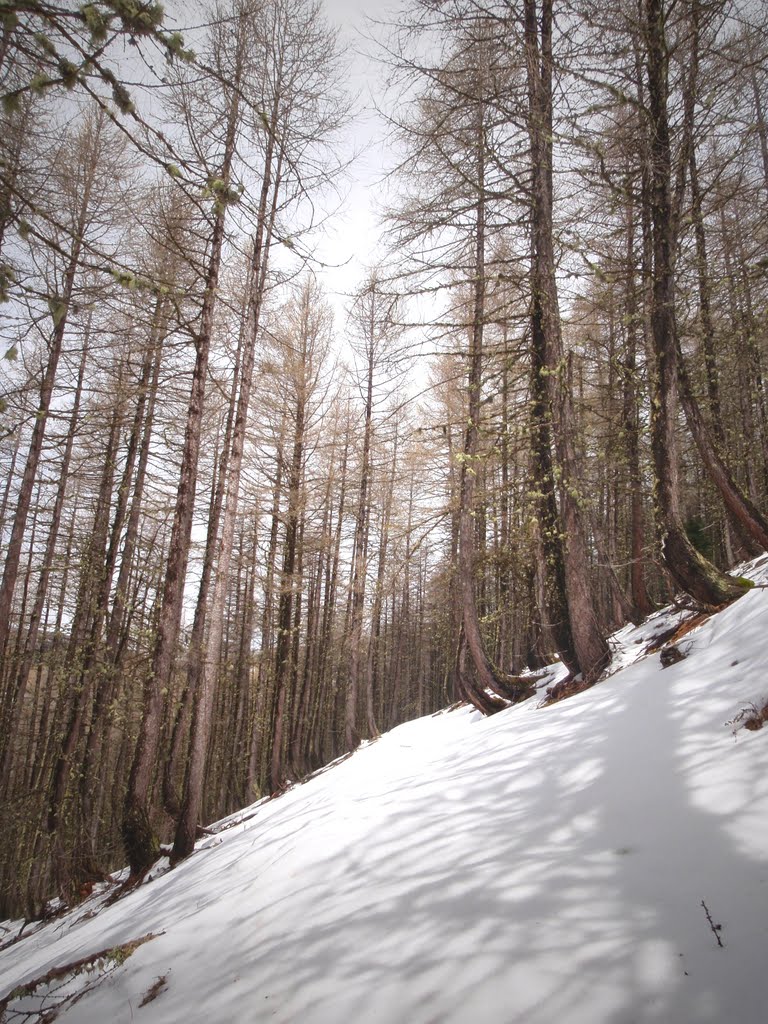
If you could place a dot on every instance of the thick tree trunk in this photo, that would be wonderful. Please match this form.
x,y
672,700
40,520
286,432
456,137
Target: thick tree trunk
x,y
690,571
589,646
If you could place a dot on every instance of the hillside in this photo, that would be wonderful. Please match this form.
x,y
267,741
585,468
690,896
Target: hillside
x,y
603,860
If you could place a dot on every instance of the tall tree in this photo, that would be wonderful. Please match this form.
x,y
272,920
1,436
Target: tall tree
x,y
688,567
304,108
85,157
141,845
590,649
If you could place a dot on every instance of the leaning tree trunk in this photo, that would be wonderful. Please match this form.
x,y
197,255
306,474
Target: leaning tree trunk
x,y
477,679
689,569
711,444
743,511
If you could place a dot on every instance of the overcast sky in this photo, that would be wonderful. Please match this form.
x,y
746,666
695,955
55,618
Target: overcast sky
x,y
353,234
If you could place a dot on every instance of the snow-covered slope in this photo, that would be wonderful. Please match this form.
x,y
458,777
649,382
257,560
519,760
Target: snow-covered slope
x,y
579,863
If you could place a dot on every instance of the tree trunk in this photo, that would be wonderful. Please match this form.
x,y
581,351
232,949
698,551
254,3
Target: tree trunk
x,y
60,306
95,767
204,698
196,651
360,554
284,648
589,646
690,571
15,697
741,508
643,605
140,843
271,726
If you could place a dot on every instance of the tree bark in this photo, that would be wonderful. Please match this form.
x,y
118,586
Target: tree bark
x,y
14,698
141,845
60,314
589,649
186,827
689,569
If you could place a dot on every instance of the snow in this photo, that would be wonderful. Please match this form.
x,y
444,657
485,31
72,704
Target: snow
x,y
543,865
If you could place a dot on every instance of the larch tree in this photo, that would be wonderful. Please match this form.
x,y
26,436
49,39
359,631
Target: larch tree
x,y
301,109
589,648
688,567
140,842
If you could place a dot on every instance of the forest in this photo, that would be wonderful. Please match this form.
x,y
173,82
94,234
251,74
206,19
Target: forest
x,y
242,534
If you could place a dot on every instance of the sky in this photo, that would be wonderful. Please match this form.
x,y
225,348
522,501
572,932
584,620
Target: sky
x,y
349,240
353,236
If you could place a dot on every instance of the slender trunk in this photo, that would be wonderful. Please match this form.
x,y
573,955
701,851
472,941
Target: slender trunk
x,y
267,723
325,668
762,132
86,627
196,650
61,308
13,152
243,673
118,621
755,391
741,329
643,605
504,547
374,638
482,677
360,553
450,683
15,698
9,479
140,843
201,726
706,325
284,648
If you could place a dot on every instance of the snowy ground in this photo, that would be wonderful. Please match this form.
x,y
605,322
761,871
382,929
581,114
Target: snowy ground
x,y
544,865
